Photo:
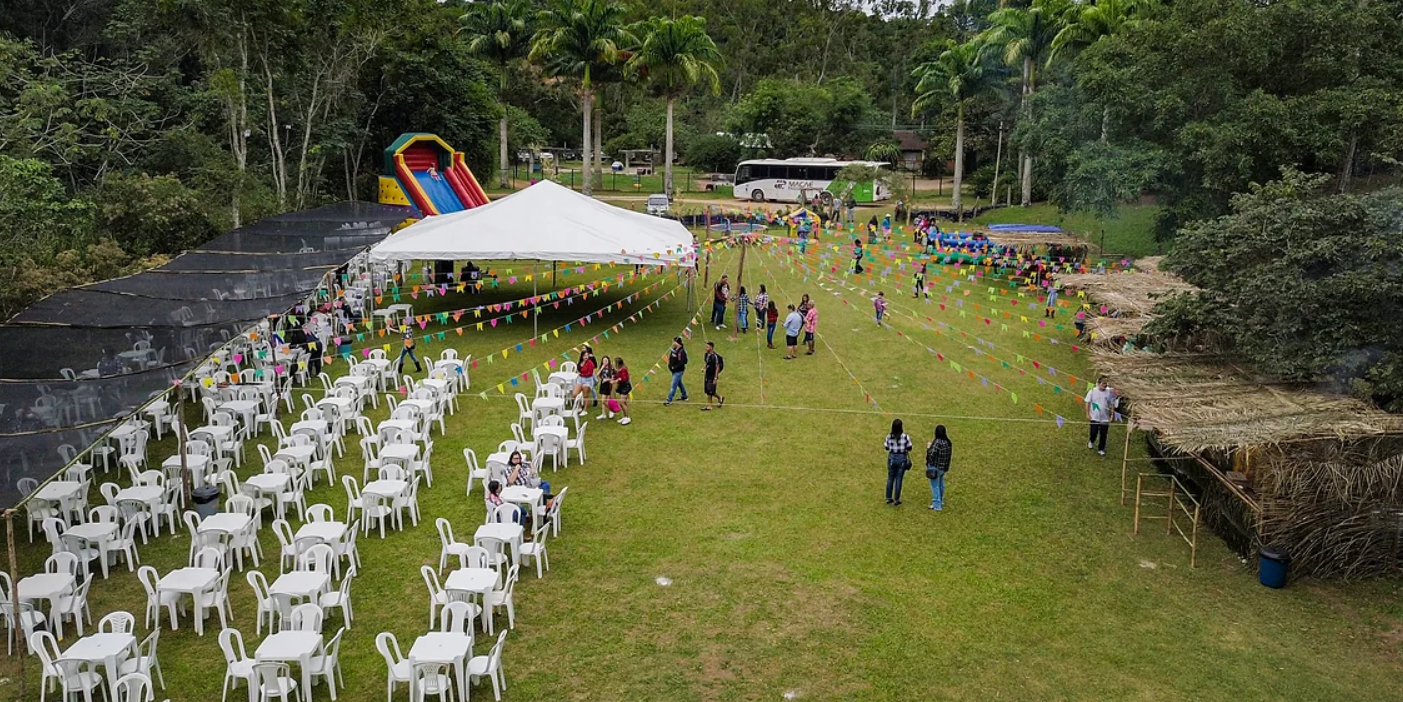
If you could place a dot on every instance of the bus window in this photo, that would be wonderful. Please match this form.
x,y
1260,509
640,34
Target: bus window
x,y
799,173
825,172
743,174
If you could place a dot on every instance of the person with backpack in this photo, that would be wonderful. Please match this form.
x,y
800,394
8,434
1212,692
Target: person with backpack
x,y
937,465
714,365
898,446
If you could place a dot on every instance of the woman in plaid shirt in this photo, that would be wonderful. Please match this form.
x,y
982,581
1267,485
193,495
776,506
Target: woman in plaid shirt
x,y
898,446
761,302
742,310
937,465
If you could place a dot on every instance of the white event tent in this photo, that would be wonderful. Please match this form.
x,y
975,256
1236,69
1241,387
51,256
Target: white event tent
x,y
544,222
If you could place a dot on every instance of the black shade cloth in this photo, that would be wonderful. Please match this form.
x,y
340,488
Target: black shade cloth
x,y
75,364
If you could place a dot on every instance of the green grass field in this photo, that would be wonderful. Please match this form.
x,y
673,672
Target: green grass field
x,y
788,573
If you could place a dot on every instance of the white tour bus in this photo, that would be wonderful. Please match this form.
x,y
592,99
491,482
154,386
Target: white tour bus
x,y
799,179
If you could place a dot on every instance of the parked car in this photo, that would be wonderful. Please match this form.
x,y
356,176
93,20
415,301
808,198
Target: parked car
x,y
659,205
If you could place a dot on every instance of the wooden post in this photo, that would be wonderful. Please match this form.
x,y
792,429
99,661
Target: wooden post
x,y
1125,456
1139,480
1169,518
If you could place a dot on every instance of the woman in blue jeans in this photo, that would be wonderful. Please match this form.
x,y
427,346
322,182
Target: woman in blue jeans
x,y
937,465
898,446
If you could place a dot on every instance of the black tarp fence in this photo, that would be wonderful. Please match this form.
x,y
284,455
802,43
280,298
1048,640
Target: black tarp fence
x,y
77,363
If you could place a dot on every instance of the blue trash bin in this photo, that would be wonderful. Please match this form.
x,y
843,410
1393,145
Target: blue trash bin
x,y
1271,568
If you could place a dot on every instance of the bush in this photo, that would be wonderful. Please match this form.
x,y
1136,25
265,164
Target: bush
x,y
147,215
981,180
710,152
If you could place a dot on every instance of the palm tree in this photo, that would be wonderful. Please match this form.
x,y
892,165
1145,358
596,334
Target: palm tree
x,y
960,74
576,38
1087,24
499,32
676,55
1025,36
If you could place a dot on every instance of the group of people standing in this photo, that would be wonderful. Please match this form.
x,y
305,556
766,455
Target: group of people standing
x,y
801,318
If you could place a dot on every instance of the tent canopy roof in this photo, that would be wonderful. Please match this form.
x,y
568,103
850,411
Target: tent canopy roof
x,y
545,222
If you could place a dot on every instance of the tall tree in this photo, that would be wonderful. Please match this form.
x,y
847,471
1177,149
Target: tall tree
x,y
1087,24
576,38
675,56
499,32
1025,37
960,74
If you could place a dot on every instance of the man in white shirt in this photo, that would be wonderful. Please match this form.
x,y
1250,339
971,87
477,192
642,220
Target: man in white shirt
x,y
792,326
1100,403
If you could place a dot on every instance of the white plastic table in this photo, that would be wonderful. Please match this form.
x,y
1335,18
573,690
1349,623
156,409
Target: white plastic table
x,y
299,455
300,583
317,425
59,490
400,452
506,531
107,649
342,404
475,580
361,383
329,532
195,462
149,494
564,377
292,646
226,523
552,405
386,488
379,364
521,495
444,647
268,482
245,409
99,533
408,425
424,406
189,581
46,586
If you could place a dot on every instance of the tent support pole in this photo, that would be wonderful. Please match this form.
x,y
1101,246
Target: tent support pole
x,y
536,323
180,438
14,599
552,275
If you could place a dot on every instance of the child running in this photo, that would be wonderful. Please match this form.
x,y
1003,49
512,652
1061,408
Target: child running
x,y
880,303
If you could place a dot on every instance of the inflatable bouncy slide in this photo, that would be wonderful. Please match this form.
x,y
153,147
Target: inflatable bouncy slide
x,y
423,171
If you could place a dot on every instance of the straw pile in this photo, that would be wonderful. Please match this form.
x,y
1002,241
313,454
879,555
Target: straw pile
x,y
1200,402
1132,293
1337,508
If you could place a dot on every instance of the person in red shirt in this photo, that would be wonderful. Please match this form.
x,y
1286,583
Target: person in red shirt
x,y
622,388
585,384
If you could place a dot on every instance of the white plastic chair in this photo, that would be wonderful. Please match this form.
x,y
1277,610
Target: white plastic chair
x,y
437,596
430,679
145,660
490,666
237,665
449,546
577,443
399,670
272,681
536,548
502,597
475,471
327,665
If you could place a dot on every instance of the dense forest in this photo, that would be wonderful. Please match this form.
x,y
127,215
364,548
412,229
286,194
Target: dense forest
x,y
131,129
